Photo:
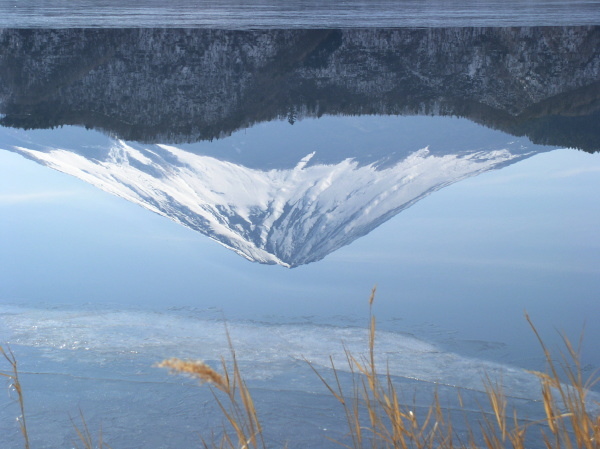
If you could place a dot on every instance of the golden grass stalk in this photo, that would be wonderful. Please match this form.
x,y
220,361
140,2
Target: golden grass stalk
x,y
568,417
237,406
196,369
374,414
85,436
15,383
376,418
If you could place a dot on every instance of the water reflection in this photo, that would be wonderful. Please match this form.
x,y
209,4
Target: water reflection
x,y
274,143
239,14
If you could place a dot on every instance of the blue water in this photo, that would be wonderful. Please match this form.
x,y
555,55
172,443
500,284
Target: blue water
x,y
238,14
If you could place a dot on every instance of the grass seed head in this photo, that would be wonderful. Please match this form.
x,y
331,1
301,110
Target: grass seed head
x,y
196,369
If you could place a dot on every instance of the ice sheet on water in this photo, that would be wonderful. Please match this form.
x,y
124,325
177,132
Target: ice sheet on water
x,y
267,351
101,361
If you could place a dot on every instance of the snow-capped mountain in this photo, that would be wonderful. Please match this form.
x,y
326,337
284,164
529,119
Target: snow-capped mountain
x,y
289,216
184,93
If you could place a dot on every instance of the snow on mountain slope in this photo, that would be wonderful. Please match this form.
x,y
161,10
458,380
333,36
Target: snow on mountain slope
x,y
287,217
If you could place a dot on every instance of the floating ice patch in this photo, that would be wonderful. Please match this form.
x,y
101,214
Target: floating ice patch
x,y
265,350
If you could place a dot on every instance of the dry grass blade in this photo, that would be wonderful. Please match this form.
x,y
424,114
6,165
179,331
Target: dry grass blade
x,y
246,414
85,436
351,408
13,377
498,403
393,427
565,404
238,406
196,369
376,418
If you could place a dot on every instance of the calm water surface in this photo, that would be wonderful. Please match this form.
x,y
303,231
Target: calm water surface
x,y
155,183
240,14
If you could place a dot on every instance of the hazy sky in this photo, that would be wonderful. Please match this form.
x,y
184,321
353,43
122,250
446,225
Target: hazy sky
x,y
468,259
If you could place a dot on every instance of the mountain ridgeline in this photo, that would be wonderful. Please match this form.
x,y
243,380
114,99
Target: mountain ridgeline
x,y
189,85
375,114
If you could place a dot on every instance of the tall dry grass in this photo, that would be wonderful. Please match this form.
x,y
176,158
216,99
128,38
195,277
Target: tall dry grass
x,y
15,384
84,436
235,401
375,416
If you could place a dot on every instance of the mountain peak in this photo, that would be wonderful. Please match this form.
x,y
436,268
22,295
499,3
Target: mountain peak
x,y
287,217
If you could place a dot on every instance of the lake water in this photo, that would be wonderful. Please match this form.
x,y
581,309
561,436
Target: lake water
x,y
268,14
169,173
